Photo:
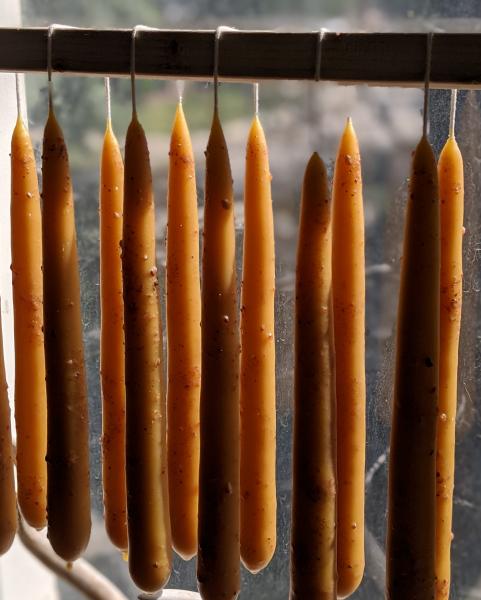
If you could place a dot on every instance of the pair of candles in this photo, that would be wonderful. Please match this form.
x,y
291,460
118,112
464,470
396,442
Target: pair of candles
x,y
329,367
421,466
49,362
327,536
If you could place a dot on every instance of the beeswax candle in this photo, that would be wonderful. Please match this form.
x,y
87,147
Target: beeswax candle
x,y
68,485
219,561
147,494
451,193
112,346
410,551
313,530
183,339
257,383
348,285
30,391
8,500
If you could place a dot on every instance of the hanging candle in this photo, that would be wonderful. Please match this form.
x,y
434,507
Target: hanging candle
x,y
8,500
451,193
183,339
257,383
412,461
30,391
313,531
112,346
348,290
147,494
68,484
218,569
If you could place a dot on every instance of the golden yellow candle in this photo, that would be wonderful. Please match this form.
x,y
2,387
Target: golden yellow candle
x,y
218,567
112,345
68,485
183,340
147,495
451,193
313,532
257,389
348,285
8,500
30,391
410,552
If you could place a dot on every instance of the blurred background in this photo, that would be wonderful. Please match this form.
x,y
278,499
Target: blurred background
x,y
298,118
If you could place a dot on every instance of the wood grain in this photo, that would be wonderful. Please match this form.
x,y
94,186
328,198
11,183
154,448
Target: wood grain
x,y
348,58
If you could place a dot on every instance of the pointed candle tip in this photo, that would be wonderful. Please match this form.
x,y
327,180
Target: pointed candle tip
x,y
314,161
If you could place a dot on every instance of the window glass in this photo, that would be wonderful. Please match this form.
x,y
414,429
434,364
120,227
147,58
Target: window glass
x,y
298,118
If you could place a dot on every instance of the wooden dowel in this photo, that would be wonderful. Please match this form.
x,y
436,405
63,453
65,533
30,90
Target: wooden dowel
x,y
372,58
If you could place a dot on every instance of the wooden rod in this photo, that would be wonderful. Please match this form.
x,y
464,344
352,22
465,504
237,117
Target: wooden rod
x,y
347,58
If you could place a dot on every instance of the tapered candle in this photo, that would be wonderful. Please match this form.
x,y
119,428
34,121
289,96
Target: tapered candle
x,y
257,395
147,494
112,355
451,193
183,339
8,500
410,549
313,532
218,569
68,486
348,285
30,391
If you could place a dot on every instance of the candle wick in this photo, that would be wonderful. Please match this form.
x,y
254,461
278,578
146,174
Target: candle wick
x,y
452,113
50,33
427,77
107,100
17,91
218,34
255,90
180,85
132,71
320,40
